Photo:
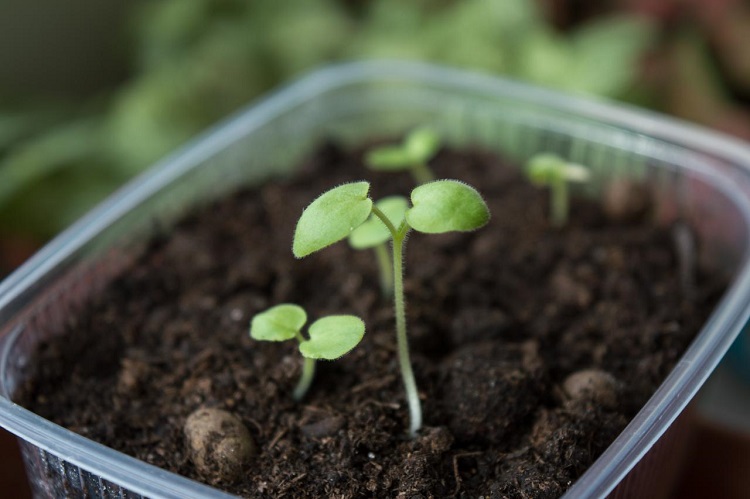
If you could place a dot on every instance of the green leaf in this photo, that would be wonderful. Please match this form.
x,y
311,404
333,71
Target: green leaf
x,y
546,58
445,206
49,153
422,144
373,231
608,53
280,323
331,217
547,168
388,158
333,336
417,148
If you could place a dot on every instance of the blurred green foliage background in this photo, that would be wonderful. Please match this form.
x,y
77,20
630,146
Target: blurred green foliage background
x,y
128,83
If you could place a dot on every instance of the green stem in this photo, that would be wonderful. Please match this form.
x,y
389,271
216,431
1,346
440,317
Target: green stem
x,y
422,173
385,269
559,207
308,372
386,221
407,374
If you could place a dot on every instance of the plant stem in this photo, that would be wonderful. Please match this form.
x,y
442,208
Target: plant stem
x,y
305,380
410,384
559,207
385,269
407,374
422,173
386,221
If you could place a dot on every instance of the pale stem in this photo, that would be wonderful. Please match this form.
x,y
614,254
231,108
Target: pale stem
x,y
559,207
385,270
308,372
407,374
410,384
422,173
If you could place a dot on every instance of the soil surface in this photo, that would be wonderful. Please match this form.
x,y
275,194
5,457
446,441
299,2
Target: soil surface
x,y
532,347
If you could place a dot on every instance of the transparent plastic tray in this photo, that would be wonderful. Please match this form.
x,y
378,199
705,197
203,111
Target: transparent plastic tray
x,y
701,178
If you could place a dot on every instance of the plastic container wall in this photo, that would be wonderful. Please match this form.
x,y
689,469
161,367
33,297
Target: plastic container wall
x,y
701,180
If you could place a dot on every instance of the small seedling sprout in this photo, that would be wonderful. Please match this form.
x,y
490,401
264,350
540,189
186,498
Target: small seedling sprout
x,y
412,154
374,234
550,170
437,207
330,337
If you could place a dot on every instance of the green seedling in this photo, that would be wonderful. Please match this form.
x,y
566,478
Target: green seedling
x,y
412,154
373,234
550,170
436,207
329,337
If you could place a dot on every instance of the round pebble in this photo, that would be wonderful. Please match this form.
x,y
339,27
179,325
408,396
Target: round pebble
x,y
219,444
591,384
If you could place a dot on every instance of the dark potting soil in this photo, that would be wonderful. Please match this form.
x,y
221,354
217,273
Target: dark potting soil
x,y
532,346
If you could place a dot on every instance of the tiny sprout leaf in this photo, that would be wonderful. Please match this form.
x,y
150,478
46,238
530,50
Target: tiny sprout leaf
x,y
445,206
417,148
546,168
422,144
333,336
388,158
280,323
373,231
331,217
577,173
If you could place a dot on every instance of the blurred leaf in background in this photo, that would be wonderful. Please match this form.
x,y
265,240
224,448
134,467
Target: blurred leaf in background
x,y
52,157
170,103
192,63
598,58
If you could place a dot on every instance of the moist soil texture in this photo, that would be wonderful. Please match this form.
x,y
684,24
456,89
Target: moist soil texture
x,y
532,346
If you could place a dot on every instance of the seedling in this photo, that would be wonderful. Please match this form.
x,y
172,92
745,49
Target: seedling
x,y
373,234
550,170
439,206
330,337
412,154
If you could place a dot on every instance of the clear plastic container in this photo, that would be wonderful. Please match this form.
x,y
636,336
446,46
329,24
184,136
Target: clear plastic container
x,y
701,179
738,357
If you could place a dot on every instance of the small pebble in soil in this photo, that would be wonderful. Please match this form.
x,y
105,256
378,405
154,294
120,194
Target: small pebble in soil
x,y
591,384
131,375
324,428
568,291
434,440
219,444
626,201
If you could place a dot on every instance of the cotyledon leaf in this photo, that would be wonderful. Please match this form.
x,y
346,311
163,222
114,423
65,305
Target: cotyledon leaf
x,y
279,323
446,206
331,217
333,336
